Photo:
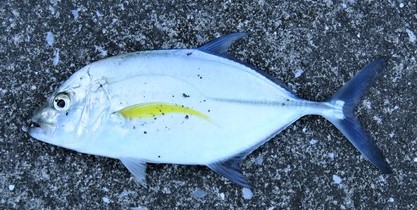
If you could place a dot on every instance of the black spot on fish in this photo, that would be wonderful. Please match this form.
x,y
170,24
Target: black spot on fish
x,y
134,127
199,76
159,156
283,104
208,110
66,113
186,117
185,95
190,53
173,96
144,132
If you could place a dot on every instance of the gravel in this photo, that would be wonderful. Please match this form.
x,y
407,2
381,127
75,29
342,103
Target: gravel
x,y
312,46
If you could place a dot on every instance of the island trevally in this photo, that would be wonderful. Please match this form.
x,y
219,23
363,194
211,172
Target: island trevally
x,y
189,106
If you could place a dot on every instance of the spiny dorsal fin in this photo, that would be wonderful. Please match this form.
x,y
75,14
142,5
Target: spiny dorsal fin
x,y
230,169
220,45
137,168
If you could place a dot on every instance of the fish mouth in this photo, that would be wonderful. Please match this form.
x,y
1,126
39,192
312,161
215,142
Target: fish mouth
x,y
39,133
44,125
41,130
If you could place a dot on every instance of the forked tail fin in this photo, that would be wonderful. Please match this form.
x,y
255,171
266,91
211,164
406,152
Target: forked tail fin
x,y
349,95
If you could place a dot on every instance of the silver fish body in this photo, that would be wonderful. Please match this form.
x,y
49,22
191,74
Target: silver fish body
x,y
187,106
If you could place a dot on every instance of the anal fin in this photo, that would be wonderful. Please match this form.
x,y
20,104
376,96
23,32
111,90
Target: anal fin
x,y
230,169
137,168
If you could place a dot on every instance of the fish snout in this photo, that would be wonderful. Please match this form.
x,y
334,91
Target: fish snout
x,y
45,117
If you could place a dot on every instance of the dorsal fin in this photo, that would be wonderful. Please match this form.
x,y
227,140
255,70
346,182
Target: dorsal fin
x,y
220,45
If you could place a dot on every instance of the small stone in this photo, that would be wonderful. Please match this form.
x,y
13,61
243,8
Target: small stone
x,y
25,128
259,160
11,187
221,196
247,193
55,60
75,13
106,200
411,35
50,39
313,141
337,179
139,208
199,193
124,194
298,73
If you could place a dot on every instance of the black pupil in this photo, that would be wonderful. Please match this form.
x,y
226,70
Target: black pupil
x,y
60,103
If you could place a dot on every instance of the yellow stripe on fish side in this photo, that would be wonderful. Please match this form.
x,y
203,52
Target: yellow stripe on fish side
x,y
156,109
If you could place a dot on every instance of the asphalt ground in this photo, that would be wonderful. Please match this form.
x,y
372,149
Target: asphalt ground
x,y
312,46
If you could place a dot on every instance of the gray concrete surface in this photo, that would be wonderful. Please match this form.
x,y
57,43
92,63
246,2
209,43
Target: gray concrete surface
x,y
311,46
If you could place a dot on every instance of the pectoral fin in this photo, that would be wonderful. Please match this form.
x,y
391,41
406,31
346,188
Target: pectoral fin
x,y
137,168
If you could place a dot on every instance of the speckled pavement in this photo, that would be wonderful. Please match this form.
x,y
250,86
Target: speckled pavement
x,y
312,47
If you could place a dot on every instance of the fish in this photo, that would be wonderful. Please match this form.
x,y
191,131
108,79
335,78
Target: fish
x,y
195,106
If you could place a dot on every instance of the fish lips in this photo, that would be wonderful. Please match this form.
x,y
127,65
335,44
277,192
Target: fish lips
x,y
40,133
42,127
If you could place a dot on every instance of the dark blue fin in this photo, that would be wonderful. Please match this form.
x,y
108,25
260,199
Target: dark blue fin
x,y
230,169
350,94
221,45
137,168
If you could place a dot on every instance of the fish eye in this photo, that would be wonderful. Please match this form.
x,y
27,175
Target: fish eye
x,y
61,102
